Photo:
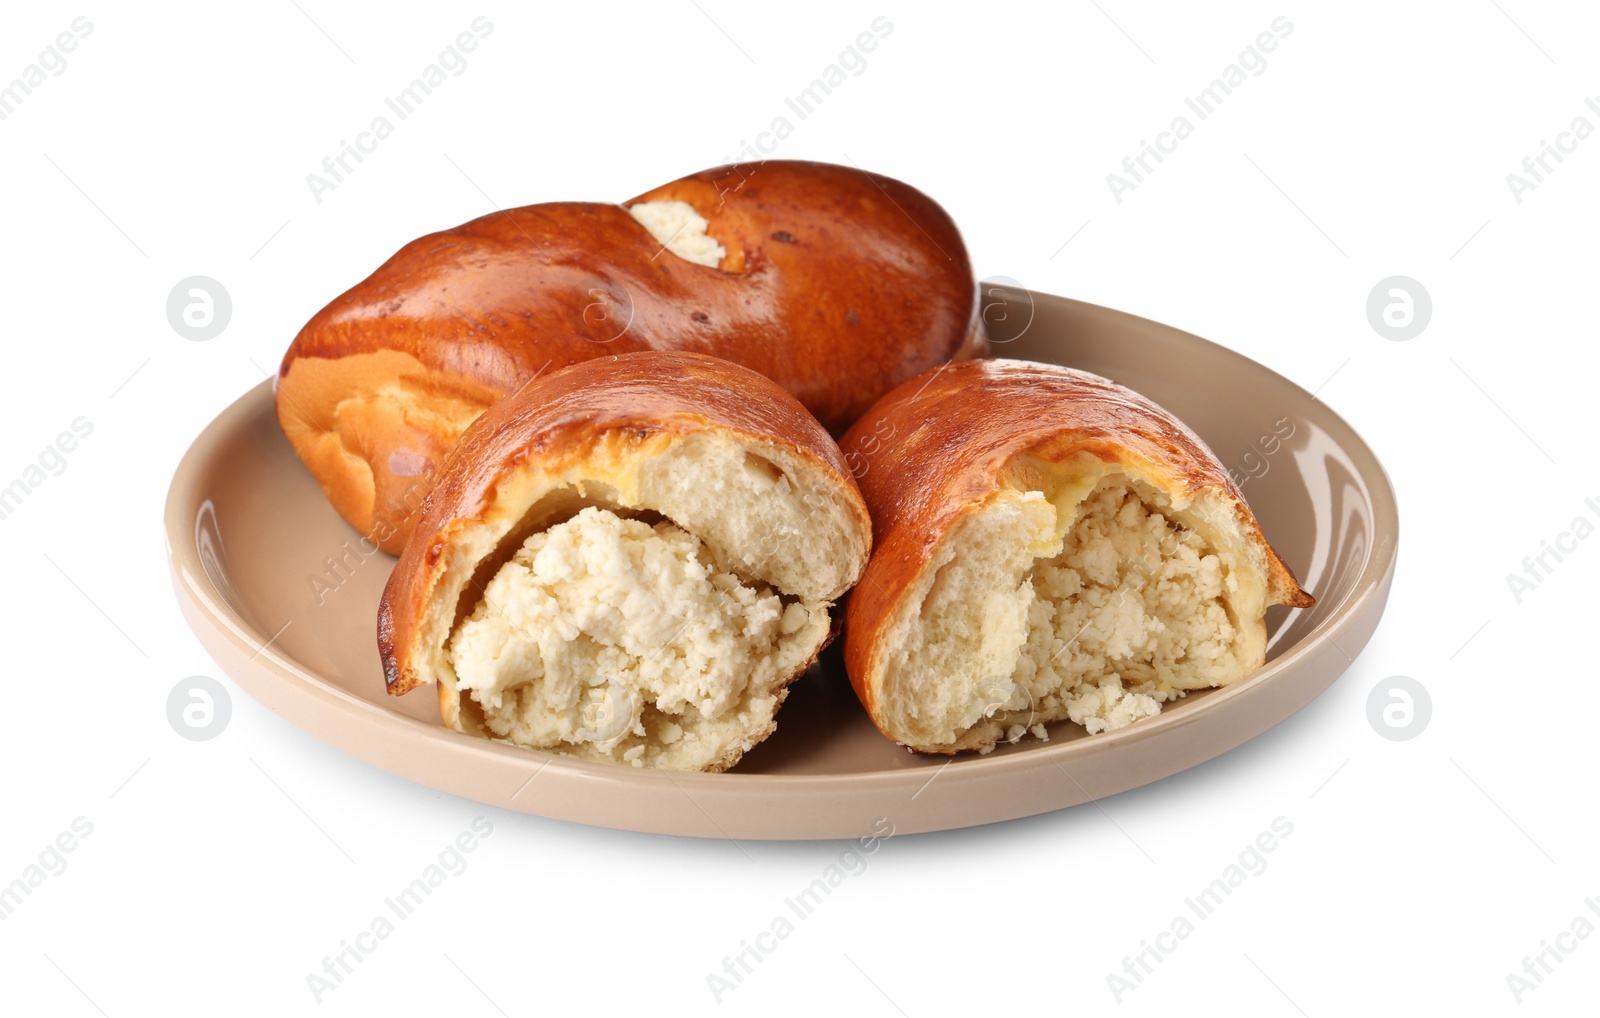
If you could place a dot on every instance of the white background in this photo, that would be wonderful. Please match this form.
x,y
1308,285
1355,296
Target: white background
x,y
1377,142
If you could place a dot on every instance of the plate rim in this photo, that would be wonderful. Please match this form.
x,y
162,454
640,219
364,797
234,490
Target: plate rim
x,y
208,613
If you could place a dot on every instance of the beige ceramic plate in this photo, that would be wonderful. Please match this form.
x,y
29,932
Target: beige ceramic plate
x,y
248,530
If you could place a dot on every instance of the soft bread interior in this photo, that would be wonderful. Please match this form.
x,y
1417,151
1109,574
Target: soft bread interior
x,y
679,229
1094,601
651,614
763,511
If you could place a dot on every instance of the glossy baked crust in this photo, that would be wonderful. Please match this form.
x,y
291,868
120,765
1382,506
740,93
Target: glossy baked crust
x,y
588,430
837,284
938,446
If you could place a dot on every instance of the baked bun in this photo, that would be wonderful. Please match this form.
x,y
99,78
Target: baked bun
x,y
629,559
836,283
1050,546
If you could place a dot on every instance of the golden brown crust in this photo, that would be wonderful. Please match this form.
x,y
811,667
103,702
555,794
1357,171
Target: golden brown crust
x,y
590,420
939,445
837,284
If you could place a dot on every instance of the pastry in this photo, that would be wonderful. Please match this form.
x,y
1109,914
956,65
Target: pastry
x,y
627,560
836,283
1049,546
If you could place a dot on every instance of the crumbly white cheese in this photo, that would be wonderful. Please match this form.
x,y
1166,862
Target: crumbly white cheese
x,y
623,639
1127,616
1032,620
678,227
